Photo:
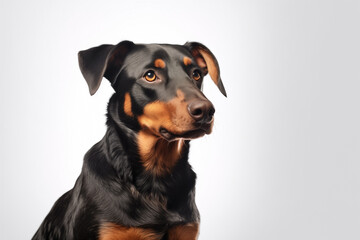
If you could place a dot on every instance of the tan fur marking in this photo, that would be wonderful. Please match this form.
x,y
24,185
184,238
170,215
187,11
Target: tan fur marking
x,y
111,231
211,66
184,232
158,155
172,115
159,63
180,145
198,58
127,105
187,61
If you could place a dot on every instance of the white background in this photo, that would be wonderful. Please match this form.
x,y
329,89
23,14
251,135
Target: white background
x,y
283,160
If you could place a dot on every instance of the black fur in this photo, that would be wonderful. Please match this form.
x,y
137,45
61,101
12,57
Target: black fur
x,y
113,185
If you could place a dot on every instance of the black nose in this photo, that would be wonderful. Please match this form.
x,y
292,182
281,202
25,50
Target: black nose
x,y
201,110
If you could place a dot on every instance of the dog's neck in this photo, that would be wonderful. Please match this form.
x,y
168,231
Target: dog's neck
x,y
156,155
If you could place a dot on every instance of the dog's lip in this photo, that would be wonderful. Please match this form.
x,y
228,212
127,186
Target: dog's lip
x,y
189,134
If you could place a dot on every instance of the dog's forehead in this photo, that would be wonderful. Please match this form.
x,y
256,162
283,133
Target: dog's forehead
x,y
147,53
176,51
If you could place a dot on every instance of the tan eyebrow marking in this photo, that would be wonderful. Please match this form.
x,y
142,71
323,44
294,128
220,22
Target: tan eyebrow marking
x,y
187,61
159,63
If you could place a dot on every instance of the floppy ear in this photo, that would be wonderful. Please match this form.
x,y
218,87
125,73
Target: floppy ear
x,y
207,61
102,61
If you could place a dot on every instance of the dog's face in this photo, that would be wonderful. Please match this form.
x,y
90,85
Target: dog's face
x,y
157,85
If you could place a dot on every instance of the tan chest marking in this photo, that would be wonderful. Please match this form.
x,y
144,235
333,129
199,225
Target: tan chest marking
x,y
184,232
111,231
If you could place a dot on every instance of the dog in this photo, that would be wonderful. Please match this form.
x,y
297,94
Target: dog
x,y
136,182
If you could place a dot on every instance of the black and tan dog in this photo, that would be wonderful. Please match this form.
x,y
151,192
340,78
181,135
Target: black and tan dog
x,y
136,183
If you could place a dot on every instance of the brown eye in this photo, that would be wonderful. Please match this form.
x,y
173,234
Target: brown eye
x,y
150,76
196,75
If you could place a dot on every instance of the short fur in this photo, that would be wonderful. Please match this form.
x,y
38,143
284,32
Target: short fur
x,y
136,182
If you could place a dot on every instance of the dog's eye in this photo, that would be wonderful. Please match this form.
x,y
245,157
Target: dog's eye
x,y
196,75
150,76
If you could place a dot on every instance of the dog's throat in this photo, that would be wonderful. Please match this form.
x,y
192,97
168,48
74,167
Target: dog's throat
x,y
158,155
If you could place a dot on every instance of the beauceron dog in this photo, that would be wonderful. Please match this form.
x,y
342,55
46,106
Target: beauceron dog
x,y
136,183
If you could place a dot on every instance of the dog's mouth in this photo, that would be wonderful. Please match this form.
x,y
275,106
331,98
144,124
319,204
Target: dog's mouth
x,y
199,131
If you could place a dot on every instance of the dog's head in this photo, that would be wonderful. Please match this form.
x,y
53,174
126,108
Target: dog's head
x,y
157,85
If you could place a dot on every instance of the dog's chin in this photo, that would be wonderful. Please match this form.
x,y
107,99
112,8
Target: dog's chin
x,y
187,135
